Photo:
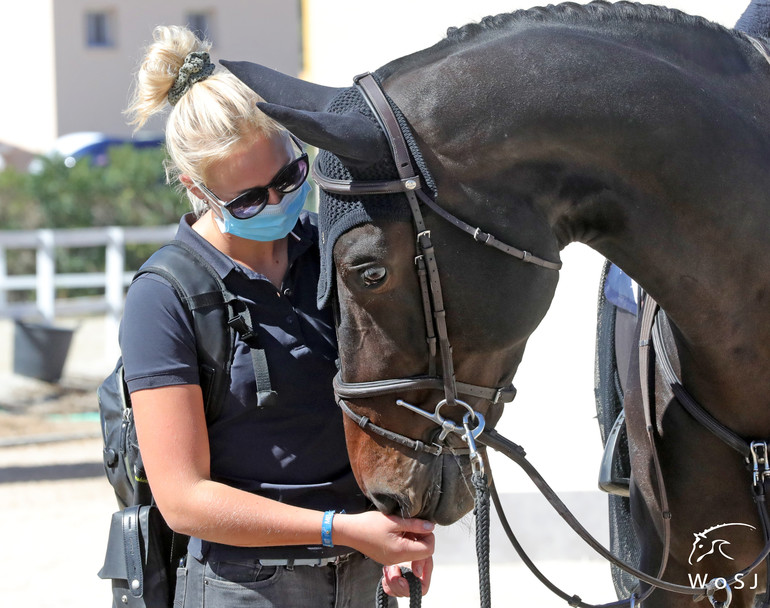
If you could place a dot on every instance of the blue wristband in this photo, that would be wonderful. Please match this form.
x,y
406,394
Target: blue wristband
x,y
326,529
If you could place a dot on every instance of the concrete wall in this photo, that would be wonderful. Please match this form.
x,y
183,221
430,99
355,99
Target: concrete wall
x,y
94,83
82,88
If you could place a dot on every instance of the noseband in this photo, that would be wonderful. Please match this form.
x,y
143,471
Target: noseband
x,y
411,185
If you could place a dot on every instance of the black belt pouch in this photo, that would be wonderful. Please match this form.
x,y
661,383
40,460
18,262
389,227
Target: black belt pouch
x,y
142,556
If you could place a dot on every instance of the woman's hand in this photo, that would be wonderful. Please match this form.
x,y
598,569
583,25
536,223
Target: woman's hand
x,y
387,539
395,584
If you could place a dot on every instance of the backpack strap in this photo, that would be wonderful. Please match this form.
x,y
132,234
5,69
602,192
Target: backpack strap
x,y
242,324
238,318
212,308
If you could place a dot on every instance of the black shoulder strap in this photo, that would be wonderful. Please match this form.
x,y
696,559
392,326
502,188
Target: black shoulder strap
x,y
212,308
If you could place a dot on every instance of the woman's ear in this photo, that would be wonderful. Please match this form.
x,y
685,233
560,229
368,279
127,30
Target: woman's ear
x,y
188,183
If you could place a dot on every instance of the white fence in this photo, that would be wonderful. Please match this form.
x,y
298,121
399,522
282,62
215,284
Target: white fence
x,y
50,243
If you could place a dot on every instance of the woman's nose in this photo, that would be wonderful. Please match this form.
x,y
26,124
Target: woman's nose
x,y
274,197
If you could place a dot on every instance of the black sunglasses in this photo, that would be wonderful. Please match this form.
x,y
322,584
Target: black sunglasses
x,y
254,200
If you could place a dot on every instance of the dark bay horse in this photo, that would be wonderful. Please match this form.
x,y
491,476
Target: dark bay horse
x,y
639,131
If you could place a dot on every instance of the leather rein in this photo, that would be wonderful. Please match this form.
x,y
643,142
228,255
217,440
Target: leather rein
x,y
472,429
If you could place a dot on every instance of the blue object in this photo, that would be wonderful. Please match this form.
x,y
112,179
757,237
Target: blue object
x,y
755,20
95,147
619,290
272,223
326,529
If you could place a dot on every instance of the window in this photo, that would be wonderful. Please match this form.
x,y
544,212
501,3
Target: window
x,y
100,29
200,25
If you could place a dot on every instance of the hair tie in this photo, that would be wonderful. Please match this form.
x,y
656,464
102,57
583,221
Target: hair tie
x,y
196,67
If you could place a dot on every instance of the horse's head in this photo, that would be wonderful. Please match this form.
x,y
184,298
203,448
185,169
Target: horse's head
x,y
369,273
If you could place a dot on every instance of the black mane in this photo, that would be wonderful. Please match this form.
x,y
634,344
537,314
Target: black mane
x,y
572,13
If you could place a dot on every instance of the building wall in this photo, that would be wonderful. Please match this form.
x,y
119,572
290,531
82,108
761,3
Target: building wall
x,y
86,88
27,114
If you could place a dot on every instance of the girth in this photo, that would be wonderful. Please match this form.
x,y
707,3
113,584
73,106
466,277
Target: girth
x,y
411,185
755,452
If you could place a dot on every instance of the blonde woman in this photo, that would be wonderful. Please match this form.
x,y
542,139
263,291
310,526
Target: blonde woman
x,y
266,492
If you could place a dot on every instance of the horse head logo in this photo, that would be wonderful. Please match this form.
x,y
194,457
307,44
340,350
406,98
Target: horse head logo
x,y
709,542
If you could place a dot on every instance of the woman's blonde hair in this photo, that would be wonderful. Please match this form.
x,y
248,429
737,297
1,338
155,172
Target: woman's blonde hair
x,y
211,119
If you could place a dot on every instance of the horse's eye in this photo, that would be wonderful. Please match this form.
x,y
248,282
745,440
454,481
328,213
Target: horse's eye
x,y
374,275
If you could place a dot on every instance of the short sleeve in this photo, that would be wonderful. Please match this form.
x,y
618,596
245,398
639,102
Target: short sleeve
x,y
157,340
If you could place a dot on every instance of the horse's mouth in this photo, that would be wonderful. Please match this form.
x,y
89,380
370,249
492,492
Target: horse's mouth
x,y
438,491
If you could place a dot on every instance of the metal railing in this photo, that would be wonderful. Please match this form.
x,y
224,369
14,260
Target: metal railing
x,y
50,243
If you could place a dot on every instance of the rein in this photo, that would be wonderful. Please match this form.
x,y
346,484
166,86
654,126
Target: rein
x,y
517,454
756,453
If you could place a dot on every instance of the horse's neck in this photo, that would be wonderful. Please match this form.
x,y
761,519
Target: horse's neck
x,y
658,160
655,159
620,140
708,265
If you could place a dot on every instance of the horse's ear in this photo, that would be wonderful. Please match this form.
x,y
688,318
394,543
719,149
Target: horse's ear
x,y
351,136
282,89
299,106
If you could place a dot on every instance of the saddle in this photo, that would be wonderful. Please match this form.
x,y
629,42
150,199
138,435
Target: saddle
x,y
616,330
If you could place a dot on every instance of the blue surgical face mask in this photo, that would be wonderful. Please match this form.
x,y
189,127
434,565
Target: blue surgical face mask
x,y
271,224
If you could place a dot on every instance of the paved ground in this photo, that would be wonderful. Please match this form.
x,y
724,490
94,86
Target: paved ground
x,y
56,503
56,507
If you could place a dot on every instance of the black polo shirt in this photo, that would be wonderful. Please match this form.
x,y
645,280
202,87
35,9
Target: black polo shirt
x,y
292,451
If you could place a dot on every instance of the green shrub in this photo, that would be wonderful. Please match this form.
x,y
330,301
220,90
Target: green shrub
x,y
18,208
129,191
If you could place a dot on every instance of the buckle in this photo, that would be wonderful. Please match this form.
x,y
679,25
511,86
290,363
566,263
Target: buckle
x,y
481,236
760,464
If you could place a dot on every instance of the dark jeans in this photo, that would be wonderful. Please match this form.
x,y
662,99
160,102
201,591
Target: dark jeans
x,y
350,583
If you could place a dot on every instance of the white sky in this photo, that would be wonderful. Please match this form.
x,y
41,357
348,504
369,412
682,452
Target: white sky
x,y
355,37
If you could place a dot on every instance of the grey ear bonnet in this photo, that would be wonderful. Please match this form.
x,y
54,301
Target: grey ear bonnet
x,y
339,213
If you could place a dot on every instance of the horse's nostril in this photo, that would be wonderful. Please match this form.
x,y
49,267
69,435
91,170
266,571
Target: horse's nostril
x,y
386,503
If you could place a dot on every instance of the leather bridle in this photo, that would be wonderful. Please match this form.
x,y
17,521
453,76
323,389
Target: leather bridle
x,y
410,184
